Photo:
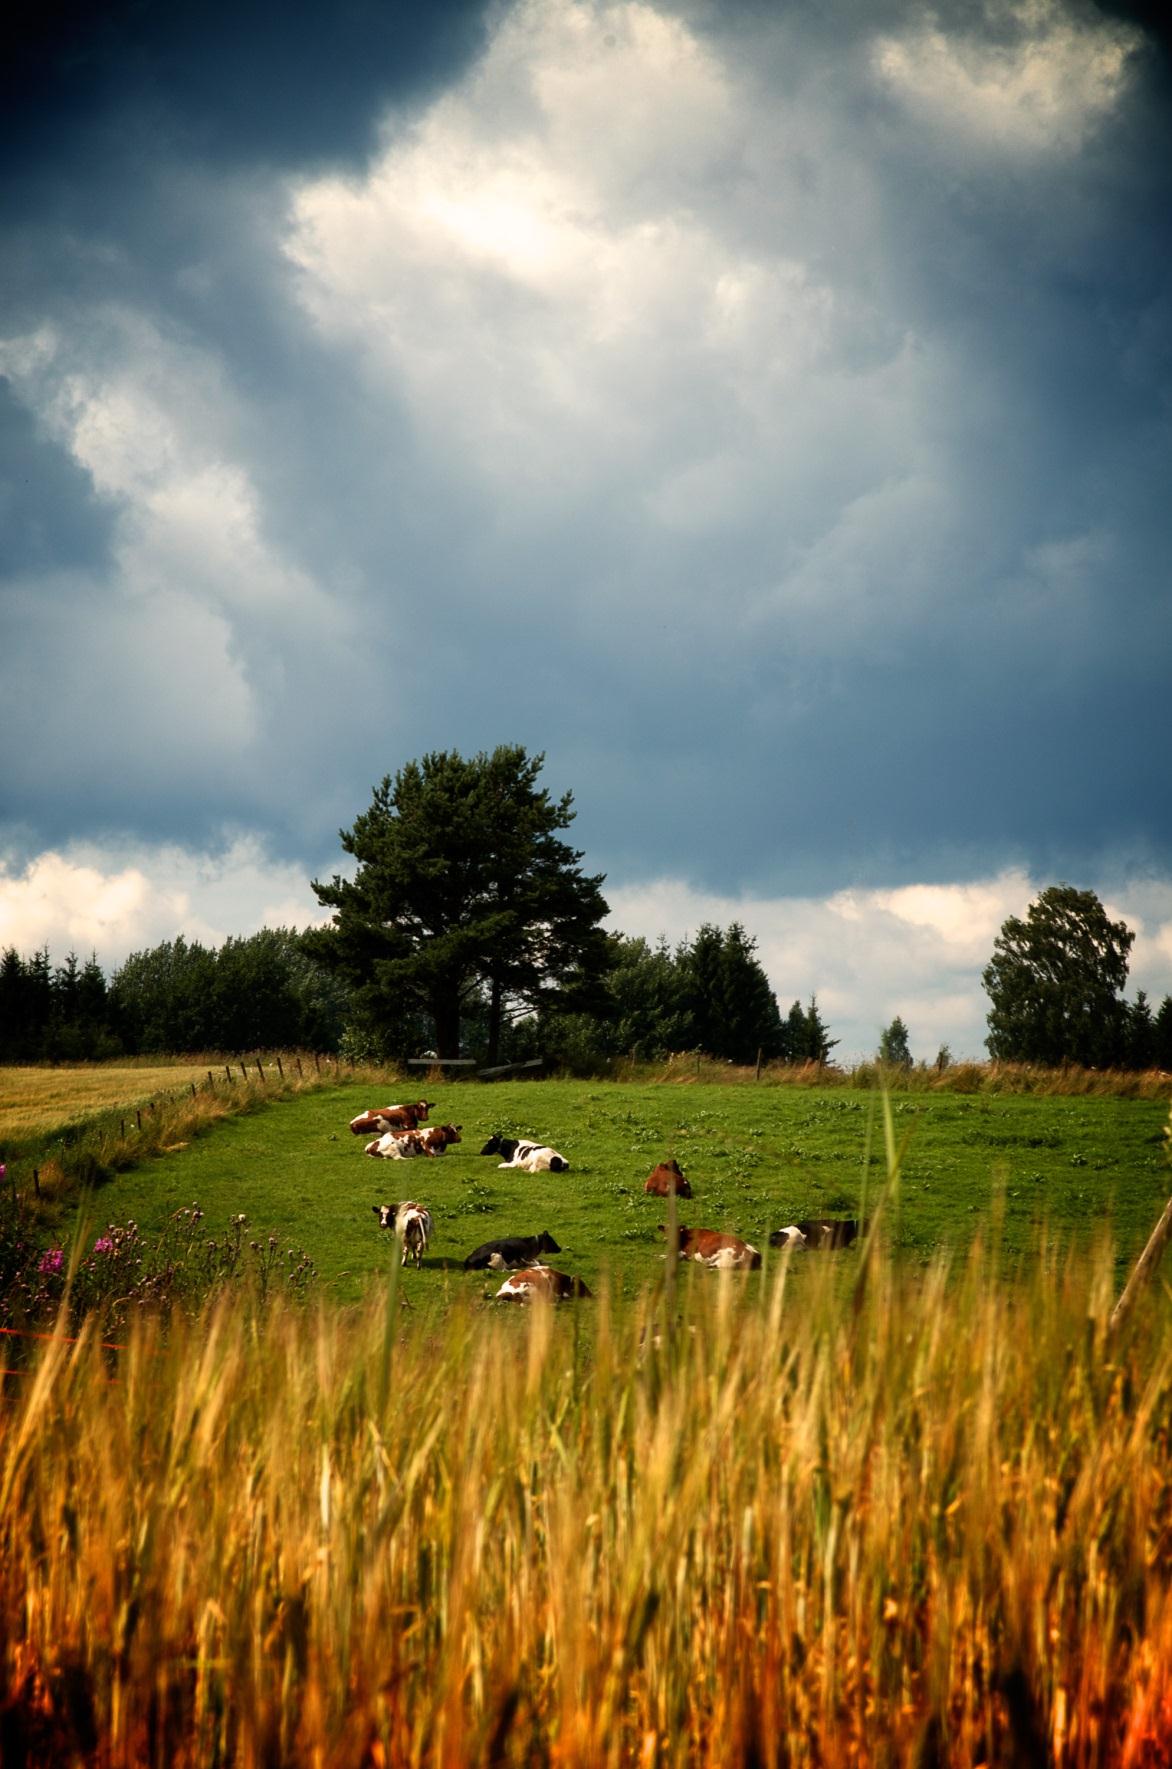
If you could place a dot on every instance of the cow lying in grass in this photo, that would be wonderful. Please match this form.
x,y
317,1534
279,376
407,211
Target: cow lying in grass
x,y
401,1145
707,1246
540,1282
512,1253
411,1222
667,1178
532,1157
380,1119
825,1232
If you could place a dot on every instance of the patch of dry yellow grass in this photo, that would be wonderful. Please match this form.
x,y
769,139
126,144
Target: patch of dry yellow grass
x,y
35,1100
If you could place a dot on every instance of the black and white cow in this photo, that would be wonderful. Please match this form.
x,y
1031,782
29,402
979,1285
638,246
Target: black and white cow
x,y
532,1157
827,1232
411,1222
511,1253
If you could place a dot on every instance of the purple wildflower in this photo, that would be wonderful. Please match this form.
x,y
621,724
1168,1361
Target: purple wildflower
x,y
103,1244
51,1262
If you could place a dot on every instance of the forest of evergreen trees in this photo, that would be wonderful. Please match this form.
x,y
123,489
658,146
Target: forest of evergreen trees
x,y
257,993
262,992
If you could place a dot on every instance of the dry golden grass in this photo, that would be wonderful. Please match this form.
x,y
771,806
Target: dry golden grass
x,y
743,1521
687,1068
40,1099
65,1128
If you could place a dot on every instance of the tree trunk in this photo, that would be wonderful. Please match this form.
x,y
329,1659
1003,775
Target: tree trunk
x,y
495,1016
445,1011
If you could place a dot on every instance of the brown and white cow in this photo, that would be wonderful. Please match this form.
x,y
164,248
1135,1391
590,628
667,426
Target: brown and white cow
x,y
540,1283
401,1145
667,1178
707,1246
411,1222
384,1118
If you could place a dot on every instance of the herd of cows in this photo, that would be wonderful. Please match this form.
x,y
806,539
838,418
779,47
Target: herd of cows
x,y
401,1133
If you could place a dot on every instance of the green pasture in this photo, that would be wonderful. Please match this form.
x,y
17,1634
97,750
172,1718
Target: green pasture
x,y
757,1157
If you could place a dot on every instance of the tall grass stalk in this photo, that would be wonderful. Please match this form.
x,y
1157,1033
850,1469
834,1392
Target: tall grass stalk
x,y
788,1532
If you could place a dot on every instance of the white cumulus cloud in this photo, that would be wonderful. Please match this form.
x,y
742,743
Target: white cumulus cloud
x,y
917,951
116,901
1042,84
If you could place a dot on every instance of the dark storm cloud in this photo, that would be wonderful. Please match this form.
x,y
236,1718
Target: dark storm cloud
x,y
49,516
229,80
774,434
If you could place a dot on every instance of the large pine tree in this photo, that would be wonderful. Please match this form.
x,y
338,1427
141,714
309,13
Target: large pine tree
x,y
732,1009
464,892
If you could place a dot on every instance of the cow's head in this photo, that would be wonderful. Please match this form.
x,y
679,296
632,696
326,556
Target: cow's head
x,y
546,1243
683,1235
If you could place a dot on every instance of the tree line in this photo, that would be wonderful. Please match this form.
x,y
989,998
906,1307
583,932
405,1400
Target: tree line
x,y
468,927
264,992
260,992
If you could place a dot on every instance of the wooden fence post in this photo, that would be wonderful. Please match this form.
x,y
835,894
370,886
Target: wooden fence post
x,y
36,1182
211,1083
757,1076
259,1069
280,1070
138,1117
1145,1266
299,1074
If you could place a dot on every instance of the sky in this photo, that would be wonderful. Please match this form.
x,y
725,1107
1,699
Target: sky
x,y
764,411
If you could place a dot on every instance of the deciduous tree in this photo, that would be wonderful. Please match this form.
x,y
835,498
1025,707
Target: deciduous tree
x,y
1055,982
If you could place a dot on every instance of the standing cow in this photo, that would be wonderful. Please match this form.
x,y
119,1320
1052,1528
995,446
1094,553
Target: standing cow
x,y
411,1222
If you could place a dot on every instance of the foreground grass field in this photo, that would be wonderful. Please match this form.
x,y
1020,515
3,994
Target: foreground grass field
x,y
736,1521
912,1505
757,1157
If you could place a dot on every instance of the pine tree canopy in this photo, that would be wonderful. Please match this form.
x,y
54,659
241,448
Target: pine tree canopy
x,y
463,889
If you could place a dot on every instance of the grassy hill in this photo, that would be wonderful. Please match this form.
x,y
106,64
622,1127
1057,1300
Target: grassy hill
x,y
757,1157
